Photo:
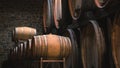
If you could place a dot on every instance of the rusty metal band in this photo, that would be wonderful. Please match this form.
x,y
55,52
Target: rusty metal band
x,y
24,48
61,48
64,51
46,45
70,45
40,46
29,44
34,46
102,47
66,47
94,23
21,48
64,43
101,42
35,31
16,49
74,48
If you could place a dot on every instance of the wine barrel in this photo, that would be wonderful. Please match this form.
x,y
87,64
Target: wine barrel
x,y
61,14
72,61
23,33
24,49
57,12
101,3
28,49
112,5
13,54
51,46
93,45
20,50
115,39
75,8
48,21
78,6
16,51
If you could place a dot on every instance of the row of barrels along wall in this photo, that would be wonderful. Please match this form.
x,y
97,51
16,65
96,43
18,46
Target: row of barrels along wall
x,y
59,14
46,46
90,32
86,13
20,55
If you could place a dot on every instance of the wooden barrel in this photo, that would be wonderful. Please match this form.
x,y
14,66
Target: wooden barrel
x,y
116,40
78,6
48,21
13,54
28,49
57,12
101,3
61,14
20,50
75,8
72,61
23,33
16,51
111,4
51,46
93,45
24,49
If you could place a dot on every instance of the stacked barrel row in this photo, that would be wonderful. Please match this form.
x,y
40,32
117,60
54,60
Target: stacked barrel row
x,y
33,47
19,55
41,46
22,36
86,23
81,31
58,14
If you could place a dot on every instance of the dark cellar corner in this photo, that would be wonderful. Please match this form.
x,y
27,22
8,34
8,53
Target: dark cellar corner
x,y
14,13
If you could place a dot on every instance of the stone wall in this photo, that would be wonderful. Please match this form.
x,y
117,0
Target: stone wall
x,y
17,13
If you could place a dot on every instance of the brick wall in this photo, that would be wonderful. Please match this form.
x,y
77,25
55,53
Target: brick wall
x,y
17,13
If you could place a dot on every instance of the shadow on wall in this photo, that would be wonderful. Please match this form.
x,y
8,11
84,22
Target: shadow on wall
x,y
14,14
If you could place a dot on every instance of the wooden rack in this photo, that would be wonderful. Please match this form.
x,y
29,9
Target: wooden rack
x,y
51,61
